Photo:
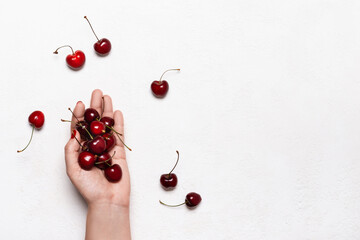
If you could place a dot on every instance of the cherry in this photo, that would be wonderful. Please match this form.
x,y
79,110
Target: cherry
x,y
110,140
161,87
86,160
75,60
102,46
97,145
83,128
109,123
36,119
91,115
97,127
113,173
169,180
104,160
192,199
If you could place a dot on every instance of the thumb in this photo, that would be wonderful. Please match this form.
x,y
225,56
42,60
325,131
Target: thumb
x,y
72,149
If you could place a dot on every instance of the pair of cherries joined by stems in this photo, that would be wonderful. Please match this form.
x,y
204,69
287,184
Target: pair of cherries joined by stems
x,y
76,60
98,135
36,119
169,182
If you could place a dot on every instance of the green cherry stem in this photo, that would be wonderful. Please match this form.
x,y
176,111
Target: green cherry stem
x,y
32,133
122,141
111,128
175,163
171,205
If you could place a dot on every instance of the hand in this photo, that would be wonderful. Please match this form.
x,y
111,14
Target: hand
x,y
108,202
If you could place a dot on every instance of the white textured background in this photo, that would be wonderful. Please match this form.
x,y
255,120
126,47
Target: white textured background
x,y
265,114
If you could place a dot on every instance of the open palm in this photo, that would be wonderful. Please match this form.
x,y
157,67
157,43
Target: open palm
x,y
93,185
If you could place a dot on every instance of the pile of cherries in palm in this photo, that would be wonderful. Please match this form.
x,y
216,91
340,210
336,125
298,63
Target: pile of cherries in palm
x,y
98,136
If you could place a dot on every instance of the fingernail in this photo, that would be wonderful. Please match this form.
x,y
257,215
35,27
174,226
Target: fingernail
x,y
73,134
79,102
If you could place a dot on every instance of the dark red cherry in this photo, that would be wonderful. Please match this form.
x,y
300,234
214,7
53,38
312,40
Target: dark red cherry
x,y
113,173
91,115
102,46
169,180
192,199
83,128
75,60
97,145
86,160
97,127
110,140
161,87
85,146
109,123
36,119
104,161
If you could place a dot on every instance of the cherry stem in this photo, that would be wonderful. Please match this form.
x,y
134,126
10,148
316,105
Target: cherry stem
x,y
175,163
78,141
172,205
122,141
103,106
81,124
167,71
91,27
32,133
56,51
113,130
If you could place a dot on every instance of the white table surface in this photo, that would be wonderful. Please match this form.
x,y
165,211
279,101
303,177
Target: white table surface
x,y
265,114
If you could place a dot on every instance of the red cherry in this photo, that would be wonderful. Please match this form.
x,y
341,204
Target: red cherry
x,y
102,46
36,119
97,145
104,161
91,115
110,140
97,127
75,60
83,128
86,160
191,200
113,173
169,180
109,123
161,87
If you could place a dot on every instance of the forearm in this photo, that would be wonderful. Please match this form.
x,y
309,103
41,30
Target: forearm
x,y
108,222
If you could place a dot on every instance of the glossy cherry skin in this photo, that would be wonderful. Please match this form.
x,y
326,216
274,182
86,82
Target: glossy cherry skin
x,y
76,60
113,173
97,127
108,121
100,162
97,145
168,181
85,146
91,115
102,47
80,127
86,160
37,119
192,199
159,88
110,140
